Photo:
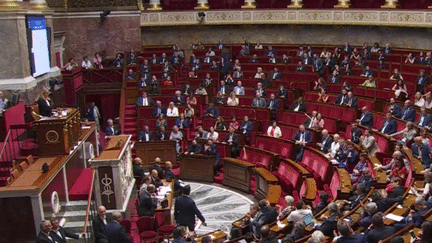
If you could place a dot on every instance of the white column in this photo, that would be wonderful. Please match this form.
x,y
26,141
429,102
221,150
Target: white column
x,y
155,5
343,4
249,4
296,4
391,4
38,5
9,5
202,4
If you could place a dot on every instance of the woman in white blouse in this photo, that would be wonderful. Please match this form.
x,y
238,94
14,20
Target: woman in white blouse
x,y
260,74
86,63
213,135
419,101
258,46
172,111
232,100
334,148
274,130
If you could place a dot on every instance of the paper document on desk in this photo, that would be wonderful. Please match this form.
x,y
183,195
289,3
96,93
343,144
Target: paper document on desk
x,y
280,224
164,190
394,217
334,162
212,237
160,197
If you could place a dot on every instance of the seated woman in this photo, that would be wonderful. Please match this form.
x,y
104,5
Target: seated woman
x,y
212,134
369,82
234,123
335,146
97,61
191,99
418,100
259,74
358,169
220,124
396,75
233,100
428,101
274,131
189,111
193,73
410,59
45,104
399,170
356,56
322,96
161,121
172,110
219,99
400,89
182,122
409,132
320,84
318,122
167,82
177,136
289,200
70,65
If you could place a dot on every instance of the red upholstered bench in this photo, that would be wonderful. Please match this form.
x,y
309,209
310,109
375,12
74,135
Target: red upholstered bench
x,y
259,157
317,164
289,177
294,118
281,146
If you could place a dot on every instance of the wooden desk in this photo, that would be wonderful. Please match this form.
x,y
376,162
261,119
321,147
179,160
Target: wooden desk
x,y
237,174
167,210
417,166
399,212
311,190
148,151
239,224
197,167
380,175
218,236
280,230
263,179
345,183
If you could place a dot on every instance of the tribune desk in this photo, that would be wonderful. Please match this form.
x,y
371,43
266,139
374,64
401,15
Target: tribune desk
x,y
237,174
148,151
197,167
264,182
35,196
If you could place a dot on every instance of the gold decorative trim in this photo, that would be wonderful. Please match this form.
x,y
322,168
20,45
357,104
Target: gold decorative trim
x,y
343,4
155,7
296,4
140,5
250,5
202,6
40,6
390,4
9,5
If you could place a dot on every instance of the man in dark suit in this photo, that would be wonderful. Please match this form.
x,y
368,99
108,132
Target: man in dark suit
x,y
334,78
130,75
146,135
207,58
326,141
185,210
155,179
425,119
59,233
145,79
282,92
176,59
347,48
366,118
347,234
329,224
394,107
212,111
273,59
136,167
408,112
366,179
194,148
415,216
99,224
299,105
266,215
380,230
211,149
301,67
233,140
220,46
258,101
301,138
367,72
275,74
306,60
158,109
259,89
169,175
273,105
357,196
225,89
148,202
389,126
246,126
351,100
115,232
111,130
163,58
44,235
318,65
341,98
422,81
356,133
238,73
144,100
421,151
162,134
157,166
352,155
270,50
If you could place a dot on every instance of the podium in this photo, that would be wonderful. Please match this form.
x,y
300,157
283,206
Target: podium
x,y
58,134
114,180
148,151
197,167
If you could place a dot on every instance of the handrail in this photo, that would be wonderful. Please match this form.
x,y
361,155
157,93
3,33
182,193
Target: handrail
x,y
5,143
89,201
122,108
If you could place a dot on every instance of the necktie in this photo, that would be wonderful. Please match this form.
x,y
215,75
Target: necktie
x,y
272,132
159,111
421,120
147,136
302,137
145,101
385,125
274,75
405,113
271,104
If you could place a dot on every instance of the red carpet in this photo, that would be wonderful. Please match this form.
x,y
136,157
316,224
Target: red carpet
x,y
81,189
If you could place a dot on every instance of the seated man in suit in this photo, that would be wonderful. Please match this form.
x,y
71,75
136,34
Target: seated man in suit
x,y
379,230
425,119
367,72
211,149
389,126
299,105
270,50
99,224
356,133
159,109
155,179
347,234
259,89
239,89
301,138
266,215
185,210
45,235
130,75
369,143
273,105
148,202
309,122
225,89
201,133
258,101
59,233
273,59
157,166
415,216
194,148
275,74
111,130
329,224
421,151
300,67
212,111
254,59
306,60
146,135
356,197
351,100
394,107
145,79
162,134
115,231
207,58
144,100
232,139
334,78
169,175
136,167
326,141
422,81
238,73
341,98
246,126
366,118
318,65
408,112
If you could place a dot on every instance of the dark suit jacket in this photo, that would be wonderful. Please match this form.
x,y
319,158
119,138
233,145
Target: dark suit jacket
x,y
267,215
275,105
140,101
185,210
277,75
407,114
142,136
249,127
353,157
42,238
235,140
423,82
44,109
426,120
326,144
367,182
185,122
309,61
397,192
425,152
162,60
214,111
396,110
179,100
368,73
258,102
302,107
263,93
357,238
137,170
355,135
197,149
226,89
283,92
158,169
159,135
155,111
307,136
99,228
328,226
64,234
109,131
390,128
353,101
116,233
367,119
147,204
374,235
340,99
334,79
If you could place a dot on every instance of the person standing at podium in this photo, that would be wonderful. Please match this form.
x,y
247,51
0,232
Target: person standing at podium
x,y
45,104
232,139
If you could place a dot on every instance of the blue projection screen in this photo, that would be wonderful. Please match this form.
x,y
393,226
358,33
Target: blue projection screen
x,y
38,37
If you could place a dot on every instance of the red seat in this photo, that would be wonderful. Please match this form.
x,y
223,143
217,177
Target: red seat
x,y
164,229
146,229
127,225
